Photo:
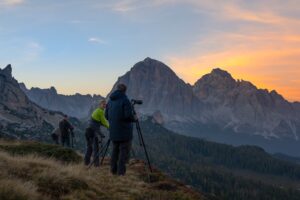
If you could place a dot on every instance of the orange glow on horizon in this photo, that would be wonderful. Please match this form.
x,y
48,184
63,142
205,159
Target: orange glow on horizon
x,y
267,69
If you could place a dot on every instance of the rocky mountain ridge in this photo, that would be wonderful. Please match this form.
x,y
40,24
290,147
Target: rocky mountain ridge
x,y
215,100
77,105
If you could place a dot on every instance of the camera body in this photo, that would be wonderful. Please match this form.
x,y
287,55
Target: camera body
x,y
136,102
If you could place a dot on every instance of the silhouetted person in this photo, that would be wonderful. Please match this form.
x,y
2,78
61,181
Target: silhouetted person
x,y
93,132
55,135
66,130
120,116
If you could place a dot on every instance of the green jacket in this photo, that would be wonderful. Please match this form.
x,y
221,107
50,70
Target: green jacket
x,y
98,116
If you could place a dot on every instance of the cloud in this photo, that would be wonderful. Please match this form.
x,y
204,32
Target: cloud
x,y
96,40
11,2
76,21
32,51
128,6
124,6
242,10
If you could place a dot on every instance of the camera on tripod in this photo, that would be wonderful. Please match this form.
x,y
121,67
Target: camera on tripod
x,y
136,102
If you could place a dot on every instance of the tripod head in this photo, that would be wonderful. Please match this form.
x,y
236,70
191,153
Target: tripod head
x,y
136,102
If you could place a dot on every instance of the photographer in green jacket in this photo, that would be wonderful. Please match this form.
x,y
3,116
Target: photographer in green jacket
x,y
93,132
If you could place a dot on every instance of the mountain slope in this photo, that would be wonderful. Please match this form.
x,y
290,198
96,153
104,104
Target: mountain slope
x,y
30,177
19,117
77,105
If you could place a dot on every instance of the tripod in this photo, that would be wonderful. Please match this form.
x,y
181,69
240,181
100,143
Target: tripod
x,y
141,138
104,150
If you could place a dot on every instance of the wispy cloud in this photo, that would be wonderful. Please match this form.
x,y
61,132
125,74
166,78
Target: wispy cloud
x,y
124,6
96,40
76,21
128,6
32,51
11,2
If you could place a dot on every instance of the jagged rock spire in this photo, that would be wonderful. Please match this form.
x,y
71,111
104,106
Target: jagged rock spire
x,y
7,70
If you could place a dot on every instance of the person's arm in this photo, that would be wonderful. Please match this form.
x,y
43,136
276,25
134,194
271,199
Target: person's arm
x,y
103,120
128,112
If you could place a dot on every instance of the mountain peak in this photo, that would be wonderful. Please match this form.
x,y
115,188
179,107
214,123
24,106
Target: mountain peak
x,y
148,60
152,66
158,85
151,62
221,72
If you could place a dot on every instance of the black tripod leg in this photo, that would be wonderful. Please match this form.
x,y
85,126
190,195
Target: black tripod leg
x,y
105,152
138,127
99,154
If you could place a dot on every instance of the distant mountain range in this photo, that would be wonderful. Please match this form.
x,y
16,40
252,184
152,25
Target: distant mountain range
x,y
217,107
77,105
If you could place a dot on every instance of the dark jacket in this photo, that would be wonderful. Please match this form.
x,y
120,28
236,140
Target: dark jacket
x,y
120,116
65,127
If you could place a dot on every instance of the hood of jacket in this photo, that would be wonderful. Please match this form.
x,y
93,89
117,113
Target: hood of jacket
x,y
117,95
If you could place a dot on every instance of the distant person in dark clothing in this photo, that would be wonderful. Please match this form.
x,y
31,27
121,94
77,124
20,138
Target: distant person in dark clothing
x,y
120,115
66,130
93,134
55,135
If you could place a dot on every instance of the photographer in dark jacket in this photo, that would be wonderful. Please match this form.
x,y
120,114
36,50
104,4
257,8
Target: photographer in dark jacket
x,y
120,115
66,129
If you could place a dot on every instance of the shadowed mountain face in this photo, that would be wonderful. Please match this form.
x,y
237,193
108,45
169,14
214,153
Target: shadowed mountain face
x,y
19,117
161,90
73,105
217,103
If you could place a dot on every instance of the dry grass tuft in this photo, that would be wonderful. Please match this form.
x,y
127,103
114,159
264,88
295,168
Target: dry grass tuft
x,y
17,190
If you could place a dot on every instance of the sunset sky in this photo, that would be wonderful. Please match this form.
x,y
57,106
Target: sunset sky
x,y
84,45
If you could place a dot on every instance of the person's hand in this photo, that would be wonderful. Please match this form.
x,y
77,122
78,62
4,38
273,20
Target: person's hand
x,y
135,118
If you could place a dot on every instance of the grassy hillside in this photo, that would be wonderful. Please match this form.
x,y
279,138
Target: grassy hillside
x,y
34,171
